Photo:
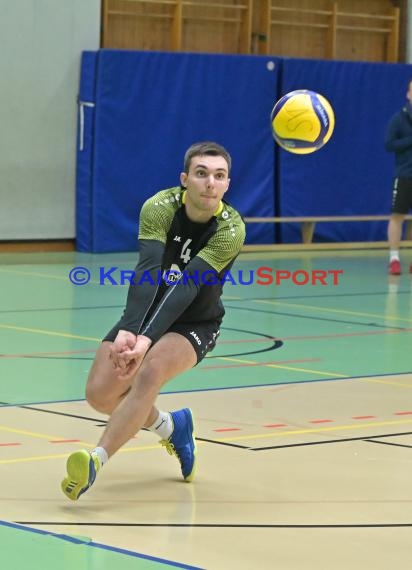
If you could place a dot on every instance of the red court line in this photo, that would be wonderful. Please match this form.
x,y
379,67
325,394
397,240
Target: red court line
x,y
275,425
403,413
245,340
363,417
8,444
227,429
320,421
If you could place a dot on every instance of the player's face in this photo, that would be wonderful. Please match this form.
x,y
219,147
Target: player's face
x,y
206,183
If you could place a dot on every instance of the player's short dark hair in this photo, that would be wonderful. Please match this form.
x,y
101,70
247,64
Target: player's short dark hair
x,y
206,148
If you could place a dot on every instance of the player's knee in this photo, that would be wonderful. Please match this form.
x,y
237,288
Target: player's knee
x,y
96,402
152,372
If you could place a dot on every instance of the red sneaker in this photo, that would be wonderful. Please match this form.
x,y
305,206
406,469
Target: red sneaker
x,y
395,267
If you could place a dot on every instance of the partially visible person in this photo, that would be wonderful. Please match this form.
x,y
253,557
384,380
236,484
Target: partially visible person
x,y
188,238
399,140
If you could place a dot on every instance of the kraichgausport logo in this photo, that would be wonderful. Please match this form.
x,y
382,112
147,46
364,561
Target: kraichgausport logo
x,y
264,276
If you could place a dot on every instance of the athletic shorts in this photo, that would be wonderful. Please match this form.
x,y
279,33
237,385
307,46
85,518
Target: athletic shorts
x,y
202,336
402,195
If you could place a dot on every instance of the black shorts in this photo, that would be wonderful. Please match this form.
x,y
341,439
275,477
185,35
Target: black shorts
x,y
402,195
202,336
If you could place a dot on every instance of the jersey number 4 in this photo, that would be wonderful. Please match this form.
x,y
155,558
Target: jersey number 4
x,y
185,253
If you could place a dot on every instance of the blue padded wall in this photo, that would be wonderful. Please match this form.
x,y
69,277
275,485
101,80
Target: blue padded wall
x,y
150,107
352,174
85,148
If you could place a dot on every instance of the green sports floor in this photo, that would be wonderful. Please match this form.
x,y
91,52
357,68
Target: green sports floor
x,y
273,335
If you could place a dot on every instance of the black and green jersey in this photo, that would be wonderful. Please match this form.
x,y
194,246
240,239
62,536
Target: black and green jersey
x,y
180,265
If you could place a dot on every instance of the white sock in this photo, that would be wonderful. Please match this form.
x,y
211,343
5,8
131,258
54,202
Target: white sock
x,y
394,254
163,425
101,454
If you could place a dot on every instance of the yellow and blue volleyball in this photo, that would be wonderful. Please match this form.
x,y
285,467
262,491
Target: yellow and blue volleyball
x,y
302,121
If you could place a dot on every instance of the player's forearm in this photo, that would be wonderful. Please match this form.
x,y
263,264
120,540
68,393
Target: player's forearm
x,y
142,291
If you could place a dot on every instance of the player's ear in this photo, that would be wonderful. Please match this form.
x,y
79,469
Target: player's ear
x,y
183,179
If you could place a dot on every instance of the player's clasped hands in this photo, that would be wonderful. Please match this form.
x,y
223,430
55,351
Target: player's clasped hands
x,y
127,353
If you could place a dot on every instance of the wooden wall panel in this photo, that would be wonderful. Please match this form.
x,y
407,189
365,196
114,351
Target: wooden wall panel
x,y
211,28
361,30
358,46
138,25
219,26
223,39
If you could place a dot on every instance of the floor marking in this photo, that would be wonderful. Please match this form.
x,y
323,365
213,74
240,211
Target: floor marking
x,y
65,441
339,311
49,333
327,441
388,443
9,444
65,455
34,458
36,274
227,429
55,439
320,421
61,353
217,525
319,336
315,430
221,342
38,435
87,557
274,425
59,413
328,374
403,413
363,417
141,448
220,442
51,276
390,383
275,362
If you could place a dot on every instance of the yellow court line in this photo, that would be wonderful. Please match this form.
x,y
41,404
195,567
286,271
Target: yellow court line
x,y
35,458
45,275
40,435
139,448
329,310
34,274
49,333
63,455
281,367
234,438
315,430
390,383
58,438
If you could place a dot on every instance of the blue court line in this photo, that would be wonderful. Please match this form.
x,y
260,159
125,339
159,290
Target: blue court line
x,y
51,309
240,300
4,405
75,540
327,295
317,318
